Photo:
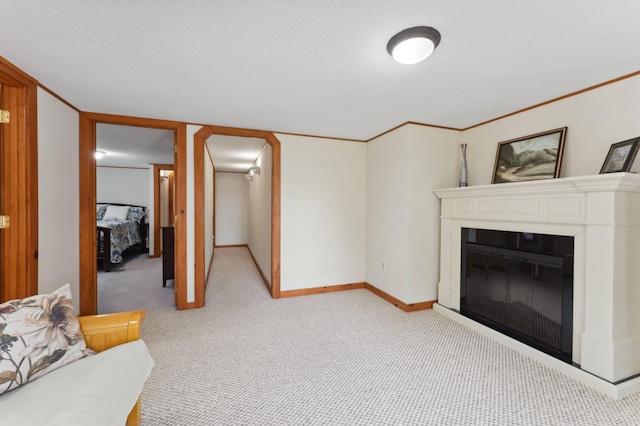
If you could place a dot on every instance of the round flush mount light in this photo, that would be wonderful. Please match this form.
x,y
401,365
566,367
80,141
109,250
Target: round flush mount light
x,y
99,154
413,45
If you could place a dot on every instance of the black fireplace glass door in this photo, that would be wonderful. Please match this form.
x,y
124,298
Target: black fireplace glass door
x,y
525,294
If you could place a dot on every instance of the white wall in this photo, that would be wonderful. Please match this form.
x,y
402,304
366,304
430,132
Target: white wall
x,y
403,167
122,185
323,212
387,212
190,218
164,202
434,162
595,120
232,208
260,212
209,240
58,196
150,207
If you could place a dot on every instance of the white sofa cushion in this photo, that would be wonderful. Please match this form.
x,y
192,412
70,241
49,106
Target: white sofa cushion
x,y
97,390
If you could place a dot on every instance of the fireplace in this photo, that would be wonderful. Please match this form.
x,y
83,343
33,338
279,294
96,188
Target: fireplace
x,y
594,216
520,284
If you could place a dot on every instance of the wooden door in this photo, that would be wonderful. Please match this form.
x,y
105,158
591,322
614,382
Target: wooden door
x,y
18,184
1,145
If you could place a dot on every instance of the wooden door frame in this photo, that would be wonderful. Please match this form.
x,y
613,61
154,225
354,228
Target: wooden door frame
x,y
87,162
19,179
157,251
200,139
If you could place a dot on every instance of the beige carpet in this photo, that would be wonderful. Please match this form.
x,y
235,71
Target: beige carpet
x,y
347,358
134,284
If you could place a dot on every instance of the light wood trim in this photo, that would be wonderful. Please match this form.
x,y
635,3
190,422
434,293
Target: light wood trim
x,y
569,95
200,139
19,179
88,266
414,123
275,214
87,145
55,95
232,246
320,290
102,332
123,120
407,307
180,226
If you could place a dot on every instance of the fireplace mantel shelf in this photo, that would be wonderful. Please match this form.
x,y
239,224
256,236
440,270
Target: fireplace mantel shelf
x,y
605,182
602,214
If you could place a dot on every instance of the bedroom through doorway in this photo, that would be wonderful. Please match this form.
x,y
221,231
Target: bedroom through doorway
x,y
135,198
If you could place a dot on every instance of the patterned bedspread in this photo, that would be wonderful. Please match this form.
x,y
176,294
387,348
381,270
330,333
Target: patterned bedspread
x,y
123,235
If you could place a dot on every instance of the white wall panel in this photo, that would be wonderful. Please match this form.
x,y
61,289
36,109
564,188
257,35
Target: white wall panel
x,y
58,196
122,185
260,212
324,190
232,208
595,120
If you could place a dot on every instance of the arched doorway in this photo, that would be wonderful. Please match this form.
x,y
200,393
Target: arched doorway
x,y
199,195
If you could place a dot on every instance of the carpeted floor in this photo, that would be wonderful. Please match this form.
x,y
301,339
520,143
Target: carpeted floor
x,y
347,358
134,284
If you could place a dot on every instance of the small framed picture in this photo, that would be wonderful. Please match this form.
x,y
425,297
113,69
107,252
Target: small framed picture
x,y
621,156
532,157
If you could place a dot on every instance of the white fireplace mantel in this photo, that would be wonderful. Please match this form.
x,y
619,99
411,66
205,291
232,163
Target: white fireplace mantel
x,y
602,213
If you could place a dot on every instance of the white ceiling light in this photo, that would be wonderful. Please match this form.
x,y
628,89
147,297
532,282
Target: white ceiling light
x,y
413,45
99,154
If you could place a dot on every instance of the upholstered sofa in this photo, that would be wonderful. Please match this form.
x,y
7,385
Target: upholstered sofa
x,y
101,389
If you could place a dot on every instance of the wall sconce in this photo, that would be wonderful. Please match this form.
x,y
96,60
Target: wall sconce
x,y
99,154
255,170
248,177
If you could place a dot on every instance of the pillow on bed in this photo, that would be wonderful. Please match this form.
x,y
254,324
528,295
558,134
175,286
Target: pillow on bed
x,y
136,213
100,209
38,334
116,213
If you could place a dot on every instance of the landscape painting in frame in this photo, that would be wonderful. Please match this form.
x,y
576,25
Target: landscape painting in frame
x,y
532,157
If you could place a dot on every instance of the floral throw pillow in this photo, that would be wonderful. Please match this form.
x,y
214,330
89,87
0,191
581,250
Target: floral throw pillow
x,y
38,334
100,209
136,213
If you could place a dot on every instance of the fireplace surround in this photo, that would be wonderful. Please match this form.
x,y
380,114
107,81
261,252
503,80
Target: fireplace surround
x,y
602,215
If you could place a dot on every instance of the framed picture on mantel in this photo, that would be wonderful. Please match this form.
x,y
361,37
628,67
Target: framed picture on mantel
x,y
621,156
532,157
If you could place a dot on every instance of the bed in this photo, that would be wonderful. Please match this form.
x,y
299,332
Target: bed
x,y
119,228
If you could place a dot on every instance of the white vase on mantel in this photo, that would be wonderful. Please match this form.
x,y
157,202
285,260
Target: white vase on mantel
x,y
464,178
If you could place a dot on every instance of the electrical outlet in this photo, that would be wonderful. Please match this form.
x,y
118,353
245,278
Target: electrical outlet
x,y
383,265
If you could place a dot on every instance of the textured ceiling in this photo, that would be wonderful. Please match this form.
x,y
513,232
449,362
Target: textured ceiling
x,y
318,68
234,154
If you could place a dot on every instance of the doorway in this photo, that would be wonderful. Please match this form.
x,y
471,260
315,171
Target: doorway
x,y
200,138
129,270
88,264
